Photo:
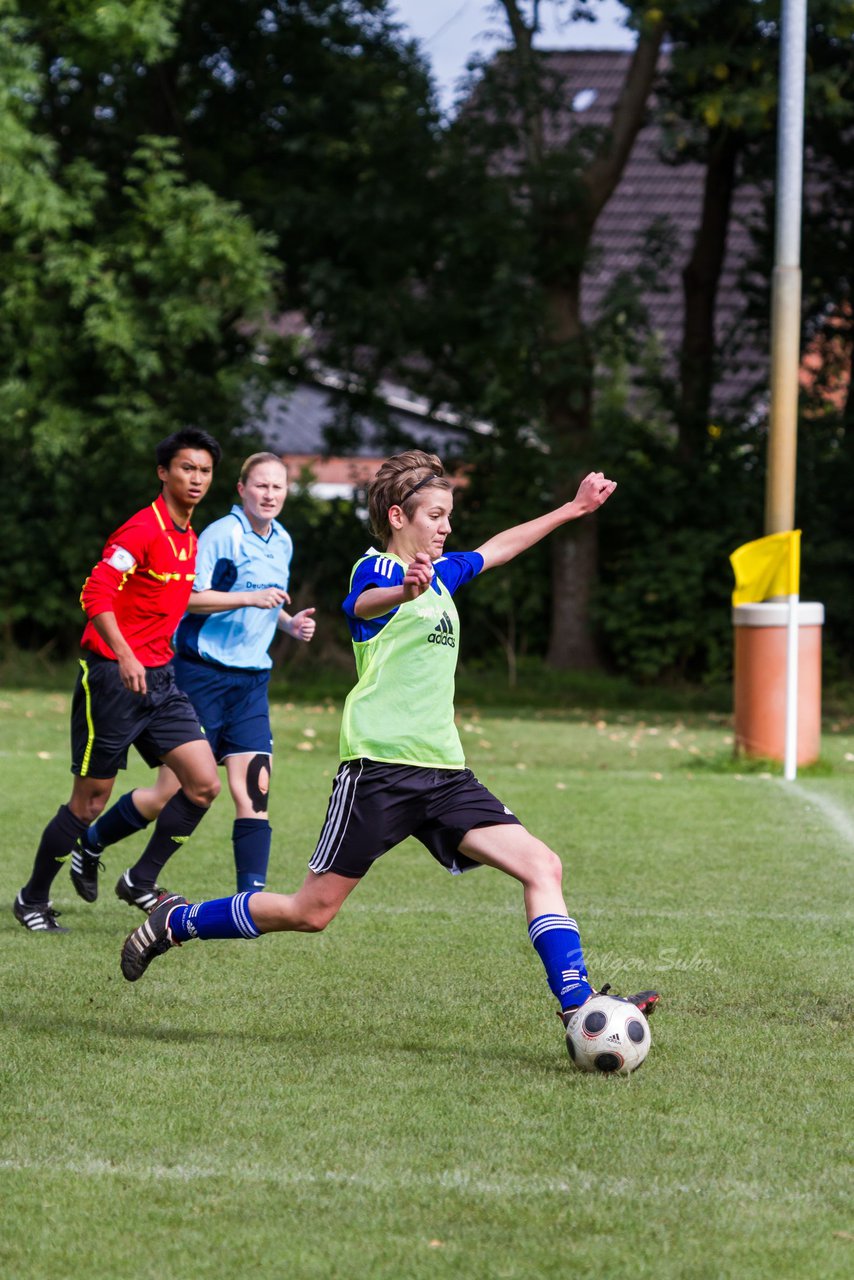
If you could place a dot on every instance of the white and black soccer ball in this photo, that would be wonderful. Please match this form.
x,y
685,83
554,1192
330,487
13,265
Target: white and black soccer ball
x,y
609,1035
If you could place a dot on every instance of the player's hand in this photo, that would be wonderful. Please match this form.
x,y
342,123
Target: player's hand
x,y
418,576
593,491
302,625
270,598
132,674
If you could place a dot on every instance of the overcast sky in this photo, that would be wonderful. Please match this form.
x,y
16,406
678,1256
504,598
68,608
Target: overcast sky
x,y
450,31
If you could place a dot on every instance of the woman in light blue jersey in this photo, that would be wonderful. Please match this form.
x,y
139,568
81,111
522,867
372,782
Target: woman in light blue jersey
x,y
402,769
223,665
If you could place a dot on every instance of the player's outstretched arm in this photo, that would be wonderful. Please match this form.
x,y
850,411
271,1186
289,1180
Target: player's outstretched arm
x,y
593,491
377,601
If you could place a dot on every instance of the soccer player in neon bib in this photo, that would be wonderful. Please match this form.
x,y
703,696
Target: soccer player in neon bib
x,y
402,769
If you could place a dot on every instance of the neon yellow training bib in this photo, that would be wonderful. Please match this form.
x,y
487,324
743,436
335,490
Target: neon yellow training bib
x,y
401,711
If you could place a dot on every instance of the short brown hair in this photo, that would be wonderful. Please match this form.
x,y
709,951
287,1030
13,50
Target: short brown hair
x,y
256,460
395,483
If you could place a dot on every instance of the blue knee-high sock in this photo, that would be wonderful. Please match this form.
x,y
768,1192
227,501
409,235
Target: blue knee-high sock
x,y
219,918
558,944
121,820
251,838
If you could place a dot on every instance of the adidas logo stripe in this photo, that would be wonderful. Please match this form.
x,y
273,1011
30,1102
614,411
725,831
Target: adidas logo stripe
x,y
384,566
443,633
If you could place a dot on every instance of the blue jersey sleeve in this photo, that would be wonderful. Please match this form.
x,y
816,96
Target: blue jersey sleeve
x,y
376,571
453,570
457,568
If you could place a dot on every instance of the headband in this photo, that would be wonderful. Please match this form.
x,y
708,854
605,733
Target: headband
x,y
420,485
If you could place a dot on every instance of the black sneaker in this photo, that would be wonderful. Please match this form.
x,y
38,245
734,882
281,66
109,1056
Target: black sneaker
x,y
644,1000
150,939
144,896
39,917
85,866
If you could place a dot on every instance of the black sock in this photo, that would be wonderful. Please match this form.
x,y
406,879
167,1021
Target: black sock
x,y
177,822
122,820
58,839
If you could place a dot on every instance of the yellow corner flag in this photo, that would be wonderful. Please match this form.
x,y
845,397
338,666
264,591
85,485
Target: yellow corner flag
x,y
767,567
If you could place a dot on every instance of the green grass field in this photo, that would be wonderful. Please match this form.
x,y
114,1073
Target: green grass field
x,y
392,1099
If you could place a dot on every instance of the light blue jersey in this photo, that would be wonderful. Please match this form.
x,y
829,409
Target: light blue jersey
x,y
233,557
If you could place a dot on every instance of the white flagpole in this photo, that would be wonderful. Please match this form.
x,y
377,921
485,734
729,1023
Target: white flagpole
x,y
790,765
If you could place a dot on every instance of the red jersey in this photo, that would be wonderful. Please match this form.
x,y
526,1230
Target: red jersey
x,y
144,577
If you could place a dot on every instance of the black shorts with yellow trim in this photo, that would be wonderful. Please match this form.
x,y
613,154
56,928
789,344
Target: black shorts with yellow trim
x,y
107,719
375,806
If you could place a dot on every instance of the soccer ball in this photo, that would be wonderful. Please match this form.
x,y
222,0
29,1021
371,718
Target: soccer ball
x,y
610,1035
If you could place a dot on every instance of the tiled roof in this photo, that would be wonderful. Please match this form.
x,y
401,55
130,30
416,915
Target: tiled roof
x,y
299,423
651,189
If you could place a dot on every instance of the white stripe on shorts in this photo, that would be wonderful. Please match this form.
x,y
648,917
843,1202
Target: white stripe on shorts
x,y
335,826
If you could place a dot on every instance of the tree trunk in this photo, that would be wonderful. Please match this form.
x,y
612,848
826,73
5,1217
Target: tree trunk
x,y
563,221
569,414
700,281
574,565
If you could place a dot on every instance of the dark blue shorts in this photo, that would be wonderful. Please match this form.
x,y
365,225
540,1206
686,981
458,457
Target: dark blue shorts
x,y
232,705
107,719
375,806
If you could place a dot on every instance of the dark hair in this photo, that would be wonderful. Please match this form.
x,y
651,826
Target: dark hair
x,y
397,483
187,438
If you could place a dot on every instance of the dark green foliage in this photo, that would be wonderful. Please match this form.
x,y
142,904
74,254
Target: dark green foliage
x,y
663,602
135,286
316,115
505,614
129,296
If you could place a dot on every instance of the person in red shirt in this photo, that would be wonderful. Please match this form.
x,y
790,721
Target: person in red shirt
x,y
125,693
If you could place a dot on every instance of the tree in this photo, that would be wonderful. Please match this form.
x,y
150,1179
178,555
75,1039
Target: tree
x,y
717,105
717,93
544,183
316,117
130,303
719,96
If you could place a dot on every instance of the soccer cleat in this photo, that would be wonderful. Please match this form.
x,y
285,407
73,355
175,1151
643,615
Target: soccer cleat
x,y
39,917
144,896
150,939
85,866
644,1000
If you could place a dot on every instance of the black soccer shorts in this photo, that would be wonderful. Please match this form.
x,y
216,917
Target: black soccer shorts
x,y
107,719
375,806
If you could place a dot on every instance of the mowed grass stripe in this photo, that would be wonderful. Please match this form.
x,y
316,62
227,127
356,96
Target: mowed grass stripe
x,y
462,1181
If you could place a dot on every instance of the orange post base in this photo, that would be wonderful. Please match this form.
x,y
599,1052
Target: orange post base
x,y
760,680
